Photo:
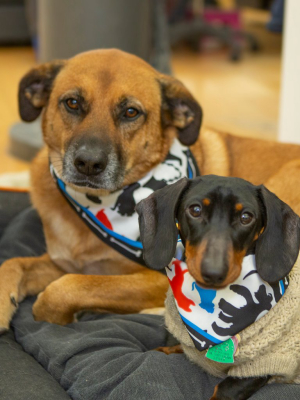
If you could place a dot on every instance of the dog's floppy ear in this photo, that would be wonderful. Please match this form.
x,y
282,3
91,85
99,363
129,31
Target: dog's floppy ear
x,y
157,224
180,109
277,248
35,88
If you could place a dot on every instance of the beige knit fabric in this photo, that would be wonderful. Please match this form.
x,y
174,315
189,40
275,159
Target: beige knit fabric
x,y
270,346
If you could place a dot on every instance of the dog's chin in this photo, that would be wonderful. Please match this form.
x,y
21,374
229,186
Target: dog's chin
x,y
212,287
200,282
228,281
93,186
90,187
222,285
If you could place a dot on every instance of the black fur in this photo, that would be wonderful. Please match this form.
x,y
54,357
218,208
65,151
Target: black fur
x,y
233,388
177,100
157,224
38,82
276,248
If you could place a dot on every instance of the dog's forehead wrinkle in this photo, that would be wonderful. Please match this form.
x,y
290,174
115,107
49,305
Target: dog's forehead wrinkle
x,y
106,78
217,195
76,91
103,85
128,100
222,190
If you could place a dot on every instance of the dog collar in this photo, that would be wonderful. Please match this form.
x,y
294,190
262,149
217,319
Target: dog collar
x,y
211,317
113,218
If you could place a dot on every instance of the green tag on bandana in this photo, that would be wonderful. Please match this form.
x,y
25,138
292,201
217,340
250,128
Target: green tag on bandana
x,y
222,353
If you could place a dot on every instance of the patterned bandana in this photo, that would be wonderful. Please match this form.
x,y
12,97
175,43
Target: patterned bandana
x,y
214,316
113,218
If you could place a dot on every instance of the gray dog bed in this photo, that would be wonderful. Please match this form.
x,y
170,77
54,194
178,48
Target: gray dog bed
x,y
100,357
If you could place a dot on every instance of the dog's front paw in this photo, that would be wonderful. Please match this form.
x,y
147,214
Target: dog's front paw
x,y
154,311
9,295
52,305
8,306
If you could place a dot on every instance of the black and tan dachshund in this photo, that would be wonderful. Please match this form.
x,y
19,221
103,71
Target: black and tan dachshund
x,y
220,220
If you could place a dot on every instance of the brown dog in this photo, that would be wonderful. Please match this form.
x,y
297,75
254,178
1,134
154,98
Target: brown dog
x,y
124,115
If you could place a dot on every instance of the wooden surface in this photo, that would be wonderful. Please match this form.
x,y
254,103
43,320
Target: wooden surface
x,y
14,63
239,98
242,98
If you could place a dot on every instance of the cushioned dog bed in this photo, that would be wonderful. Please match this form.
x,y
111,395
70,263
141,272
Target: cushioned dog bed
x,y
101,356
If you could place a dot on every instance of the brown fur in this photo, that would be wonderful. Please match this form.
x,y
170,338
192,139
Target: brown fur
x,y
235,266
177,349
239,207
276,165
194,257
72,247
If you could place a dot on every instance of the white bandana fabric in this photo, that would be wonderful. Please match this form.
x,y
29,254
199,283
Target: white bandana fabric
x,y
214,316
113,218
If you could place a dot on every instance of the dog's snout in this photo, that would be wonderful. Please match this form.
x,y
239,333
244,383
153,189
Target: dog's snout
x,y
90,162
213,274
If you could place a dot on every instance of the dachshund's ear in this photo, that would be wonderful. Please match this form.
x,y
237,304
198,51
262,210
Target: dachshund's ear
x,y
35,88
277,248
157,224
180,110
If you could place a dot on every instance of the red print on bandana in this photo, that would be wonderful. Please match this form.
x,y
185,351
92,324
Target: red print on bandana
x,y
102,217
176,285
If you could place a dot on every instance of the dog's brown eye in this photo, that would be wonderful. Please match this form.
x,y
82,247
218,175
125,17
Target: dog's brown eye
x,y
131,113
246,218
73,104
195,210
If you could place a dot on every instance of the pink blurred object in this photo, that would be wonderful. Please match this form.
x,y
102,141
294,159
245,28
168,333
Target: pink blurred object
x,y
230,18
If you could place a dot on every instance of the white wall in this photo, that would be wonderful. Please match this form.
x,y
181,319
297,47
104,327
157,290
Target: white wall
x,y
289,118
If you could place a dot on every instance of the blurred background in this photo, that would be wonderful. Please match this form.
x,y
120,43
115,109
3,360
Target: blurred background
x,y
239,58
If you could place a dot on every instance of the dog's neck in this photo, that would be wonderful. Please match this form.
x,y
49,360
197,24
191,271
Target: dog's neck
x,y
113,217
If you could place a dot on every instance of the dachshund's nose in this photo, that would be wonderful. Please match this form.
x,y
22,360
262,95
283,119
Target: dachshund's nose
x,y
213,274
90,161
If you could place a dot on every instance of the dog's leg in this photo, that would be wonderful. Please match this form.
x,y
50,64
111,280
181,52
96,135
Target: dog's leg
x,y
238,388
114,293
21,277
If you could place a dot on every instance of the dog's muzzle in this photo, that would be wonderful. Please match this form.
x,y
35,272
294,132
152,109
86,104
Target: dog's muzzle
x,y
94,164
90,162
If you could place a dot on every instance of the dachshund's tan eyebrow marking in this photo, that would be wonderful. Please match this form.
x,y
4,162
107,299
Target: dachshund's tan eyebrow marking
x,y
239,207
206,202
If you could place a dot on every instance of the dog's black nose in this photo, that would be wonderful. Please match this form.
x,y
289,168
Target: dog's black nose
x,y
213,274
90,162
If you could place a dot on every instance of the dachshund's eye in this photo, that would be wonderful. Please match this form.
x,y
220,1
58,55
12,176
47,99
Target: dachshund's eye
x,y
72,104
195,210
246,218
131,113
